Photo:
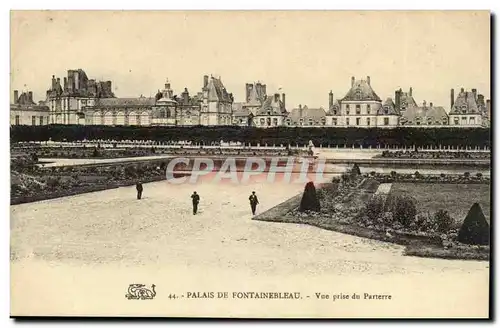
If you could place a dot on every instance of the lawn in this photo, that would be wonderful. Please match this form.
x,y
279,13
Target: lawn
x,y
457,199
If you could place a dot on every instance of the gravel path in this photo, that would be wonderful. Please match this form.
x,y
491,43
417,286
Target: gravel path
x,y
96,234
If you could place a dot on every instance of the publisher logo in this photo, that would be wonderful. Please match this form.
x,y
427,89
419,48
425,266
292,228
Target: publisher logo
x,y
140,292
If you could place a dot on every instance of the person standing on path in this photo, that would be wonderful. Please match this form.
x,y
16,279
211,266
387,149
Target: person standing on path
x,y
138,187
196,199
253,202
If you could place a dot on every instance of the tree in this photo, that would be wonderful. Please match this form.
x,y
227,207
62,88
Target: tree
x,y
475,229
310,201
355,169
404,209
374,208
443,220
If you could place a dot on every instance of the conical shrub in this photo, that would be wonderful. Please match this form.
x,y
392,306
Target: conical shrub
x,y
310,201
475,230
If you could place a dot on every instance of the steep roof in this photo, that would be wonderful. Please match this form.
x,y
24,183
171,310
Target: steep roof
x,y
255,97
306,113
408,100
125,102
335,106
239,110
272,104
389,106
436,115
361,91
465,101
217,91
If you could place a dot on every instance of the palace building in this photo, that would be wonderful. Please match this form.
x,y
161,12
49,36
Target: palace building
x,y
24,111
80,100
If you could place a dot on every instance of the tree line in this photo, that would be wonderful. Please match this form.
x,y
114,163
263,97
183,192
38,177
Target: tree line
x,y
326,136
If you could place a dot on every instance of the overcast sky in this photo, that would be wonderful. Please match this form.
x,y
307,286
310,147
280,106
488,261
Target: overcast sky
x,y
307,54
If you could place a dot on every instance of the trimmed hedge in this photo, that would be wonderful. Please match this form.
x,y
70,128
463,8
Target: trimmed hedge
x,y
279,135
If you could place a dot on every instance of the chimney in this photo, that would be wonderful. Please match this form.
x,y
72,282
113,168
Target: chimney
x,y
276,97
474,93
65,83
167,85
430,104
53,82
205,81
300,110
30,96
185,96
283,99
248,89
411,91
397,99
16,96
452,98
330,99
425,103
368,80
461,89
264,92
352,81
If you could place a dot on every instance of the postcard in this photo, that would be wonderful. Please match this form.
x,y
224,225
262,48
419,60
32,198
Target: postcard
x,y
250,164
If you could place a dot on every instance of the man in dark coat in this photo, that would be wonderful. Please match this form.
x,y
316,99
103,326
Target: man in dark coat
x,y
138,187
253,202
196,199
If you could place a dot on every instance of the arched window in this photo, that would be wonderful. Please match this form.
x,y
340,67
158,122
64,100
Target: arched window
x,y
169,114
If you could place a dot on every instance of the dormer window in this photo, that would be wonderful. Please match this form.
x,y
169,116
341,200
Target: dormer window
x,y
268,112
358,94
386,110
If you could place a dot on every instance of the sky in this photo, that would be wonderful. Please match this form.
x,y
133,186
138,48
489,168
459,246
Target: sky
x,y
303,54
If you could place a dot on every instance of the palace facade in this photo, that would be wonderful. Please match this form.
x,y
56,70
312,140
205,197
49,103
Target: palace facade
x,y
80,100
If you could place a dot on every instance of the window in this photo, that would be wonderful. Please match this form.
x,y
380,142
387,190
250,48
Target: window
x,y
33,120
368,109
262,121
347,109
456,120
41,120
169,113
17,119
334,112
275,121
358,120
334,121
386,121
368,121
311,121
268,112
323,121
472,120
464,120
418,122
268,121
386,110
347,121
287,121
301,121
358,109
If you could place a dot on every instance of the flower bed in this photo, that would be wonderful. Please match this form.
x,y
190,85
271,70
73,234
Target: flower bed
x,y
346,207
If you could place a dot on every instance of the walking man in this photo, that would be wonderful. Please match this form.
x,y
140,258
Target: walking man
x,y
138,187
196,199
253,202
